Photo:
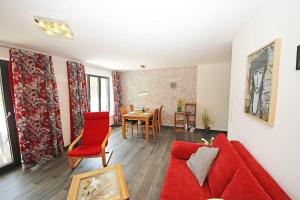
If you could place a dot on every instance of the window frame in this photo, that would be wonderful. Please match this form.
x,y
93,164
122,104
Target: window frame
x,y
99,91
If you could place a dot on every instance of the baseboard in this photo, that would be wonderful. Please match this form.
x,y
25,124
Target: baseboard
x,y
212,131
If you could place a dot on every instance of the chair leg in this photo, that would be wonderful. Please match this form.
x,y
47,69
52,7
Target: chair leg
x,y
104,164
73,162
158,126
132,130
103,155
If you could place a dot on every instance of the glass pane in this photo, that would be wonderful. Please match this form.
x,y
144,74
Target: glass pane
x,y
102,186
5,147
94,94
104,94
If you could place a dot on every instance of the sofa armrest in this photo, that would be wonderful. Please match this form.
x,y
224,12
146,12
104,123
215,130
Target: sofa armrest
x,y
184,150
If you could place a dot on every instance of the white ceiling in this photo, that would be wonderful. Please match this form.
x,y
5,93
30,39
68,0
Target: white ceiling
x,y
127,33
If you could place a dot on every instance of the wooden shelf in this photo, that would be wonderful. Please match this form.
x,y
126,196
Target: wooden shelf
x,y
179,121
179,130
188,117
188,113
191,122
180,113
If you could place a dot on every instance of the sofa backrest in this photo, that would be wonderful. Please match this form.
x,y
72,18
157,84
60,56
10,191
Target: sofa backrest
x,y
262,176
225,165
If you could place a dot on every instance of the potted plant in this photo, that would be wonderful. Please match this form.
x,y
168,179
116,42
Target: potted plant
x,y
206,120
180,103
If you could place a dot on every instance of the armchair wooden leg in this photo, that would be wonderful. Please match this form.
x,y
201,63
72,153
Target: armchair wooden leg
x,y
103,155
73,162
104,164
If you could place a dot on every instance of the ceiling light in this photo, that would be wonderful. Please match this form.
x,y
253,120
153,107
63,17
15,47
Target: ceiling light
x,y
54,27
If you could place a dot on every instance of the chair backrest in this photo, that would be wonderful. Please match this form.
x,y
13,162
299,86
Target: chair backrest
x,y
96,127
123,110
131,107
155,116
159,113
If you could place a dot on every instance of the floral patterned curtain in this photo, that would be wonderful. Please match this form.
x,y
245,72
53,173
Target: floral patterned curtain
x,y
117,97
36,106
78,97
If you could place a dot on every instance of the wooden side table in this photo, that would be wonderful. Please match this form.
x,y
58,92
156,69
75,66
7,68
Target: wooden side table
x,y
107,183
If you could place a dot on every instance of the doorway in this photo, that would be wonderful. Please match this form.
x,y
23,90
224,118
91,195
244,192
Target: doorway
x,y
9,146
98,93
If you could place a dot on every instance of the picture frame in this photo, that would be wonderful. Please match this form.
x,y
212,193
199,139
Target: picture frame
x,y
261,83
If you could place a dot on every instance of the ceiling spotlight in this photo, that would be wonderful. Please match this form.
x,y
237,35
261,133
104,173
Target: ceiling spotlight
x,y
54,27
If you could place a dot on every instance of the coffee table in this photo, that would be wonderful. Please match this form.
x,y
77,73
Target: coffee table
x,y
105,184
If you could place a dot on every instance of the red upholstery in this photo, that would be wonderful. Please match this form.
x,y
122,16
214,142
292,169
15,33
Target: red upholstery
x,y
184,150
181,184
224,167
96,126
85,150
263,177
244,186
229,175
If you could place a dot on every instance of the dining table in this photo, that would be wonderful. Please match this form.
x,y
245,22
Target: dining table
x,y
139,116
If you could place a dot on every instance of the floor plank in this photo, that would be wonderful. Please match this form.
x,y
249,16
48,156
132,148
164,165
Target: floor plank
x,y
144,166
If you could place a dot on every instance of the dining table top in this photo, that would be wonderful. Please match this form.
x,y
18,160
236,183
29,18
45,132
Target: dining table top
x,y
138,114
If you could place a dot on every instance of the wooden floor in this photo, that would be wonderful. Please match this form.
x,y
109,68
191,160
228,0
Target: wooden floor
x,y
144,167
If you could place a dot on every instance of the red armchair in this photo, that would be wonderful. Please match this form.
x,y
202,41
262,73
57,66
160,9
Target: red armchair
x,y
94,135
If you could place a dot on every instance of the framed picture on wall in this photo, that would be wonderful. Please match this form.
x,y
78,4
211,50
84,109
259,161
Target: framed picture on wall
x,y
261,83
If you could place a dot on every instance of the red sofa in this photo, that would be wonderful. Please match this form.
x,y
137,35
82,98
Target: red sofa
x,y
234,173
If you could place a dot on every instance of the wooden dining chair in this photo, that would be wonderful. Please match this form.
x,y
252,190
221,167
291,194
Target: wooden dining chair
x,y
153,124
159,118
131,108
129,123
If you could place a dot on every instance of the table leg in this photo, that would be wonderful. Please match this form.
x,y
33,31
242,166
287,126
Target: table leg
x,y
123,128
147,129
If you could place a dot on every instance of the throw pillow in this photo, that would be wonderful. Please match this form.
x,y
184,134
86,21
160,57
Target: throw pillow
x,y
244,186
201,161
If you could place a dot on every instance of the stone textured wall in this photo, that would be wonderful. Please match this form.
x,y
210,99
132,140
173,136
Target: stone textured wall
x,y
158,84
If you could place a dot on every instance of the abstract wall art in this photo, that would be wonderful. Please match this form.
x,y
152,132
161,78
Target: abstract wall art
x,y
261,83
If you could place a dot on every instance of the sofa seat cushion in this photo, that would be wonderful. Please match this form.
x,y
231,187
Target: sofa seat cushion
x,y
225,165
85,150
244,186
181,184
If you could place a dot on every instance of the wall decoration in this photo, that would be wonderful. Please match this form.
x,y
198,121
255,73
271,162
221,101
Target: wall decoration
x,y
298,58
173,85
261,83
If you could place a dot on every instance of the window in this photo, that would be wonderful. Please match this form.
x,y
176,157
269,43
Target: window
x,y
98,93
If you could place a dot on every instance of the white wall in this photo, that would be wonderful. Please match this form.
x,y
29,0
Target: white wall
x,y
276,148
213,93
60,69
